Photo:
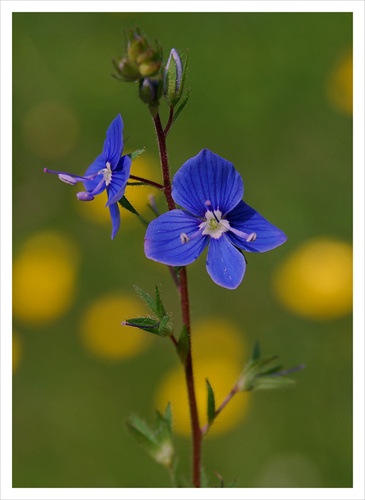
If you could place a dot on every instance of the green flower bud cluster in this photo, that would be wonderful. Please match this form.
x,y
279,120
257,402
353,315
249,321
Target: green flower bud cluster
x,y
142,63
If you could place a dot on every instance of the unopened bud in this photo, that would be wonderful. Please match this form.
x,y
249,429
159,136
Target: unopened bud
x,y
149,90
128,70
174,78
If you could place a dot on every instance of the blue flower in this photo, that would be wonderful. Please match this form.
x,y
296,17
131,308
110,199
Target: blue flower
x,y
210,189
110,172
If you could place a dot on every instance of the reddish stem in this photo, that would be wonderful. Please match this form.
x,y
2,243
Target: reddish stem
x,y
189,376
184,297
146,181
164,160
169,123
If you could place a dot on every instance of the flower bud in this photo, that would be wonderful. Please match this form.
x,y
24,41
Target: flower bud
x,y
174,78
128,70
149,90
138,44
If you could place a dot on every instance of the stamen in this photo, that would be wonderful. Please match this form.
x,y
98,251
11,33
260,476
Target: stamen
x,y
251,237
184,238
67,179
248,237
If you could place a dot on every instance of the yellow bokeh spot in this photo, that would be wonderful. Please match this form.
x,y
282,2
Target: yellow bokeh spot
x,y
16,351
44,276
339,84
316,280
50,130
218,353
101,330
215,337
95,210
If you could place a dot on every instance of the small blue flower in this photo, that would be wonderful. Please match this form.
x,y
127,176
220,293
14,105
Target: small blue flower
x,y
110,172
210,189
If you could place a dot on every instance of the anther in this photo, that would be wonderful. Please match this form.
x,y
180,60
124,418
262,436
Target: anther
x,y
184,238
251,237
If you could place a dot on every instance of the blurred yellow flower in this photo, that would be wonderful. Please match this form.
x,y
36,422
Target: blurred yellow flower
x,y
101,330
50,129
44,274
215,337
339,84
95,211
316,280
218,350
16,351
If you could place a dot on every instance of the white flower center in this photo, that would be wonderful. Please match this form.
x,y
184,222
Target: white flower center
x,y
107,173
214,225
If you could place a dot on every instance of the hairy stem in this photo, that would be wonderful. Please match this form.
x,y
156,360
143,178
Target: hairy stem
x,y
189,376
185,310
161,137
146,181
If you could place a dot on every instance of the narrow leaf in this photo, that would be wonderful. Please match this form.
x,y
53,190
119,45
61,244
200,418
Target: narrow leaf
x,y
256,352
160,310
210,403
147,324
267,382
136,153
127,205
147,298
164,327
142,433
182,105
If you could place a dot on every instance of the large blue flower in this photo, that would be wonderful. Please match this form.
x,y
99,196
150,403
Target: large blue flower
x,y
110,172
210,191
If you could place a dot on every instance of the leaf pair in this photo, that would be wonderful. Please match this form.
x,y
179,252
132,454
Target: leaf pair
x,y
161,324
155,439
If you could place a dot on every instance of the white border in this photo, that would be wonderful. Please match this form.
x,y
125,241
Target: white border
x,y
7,8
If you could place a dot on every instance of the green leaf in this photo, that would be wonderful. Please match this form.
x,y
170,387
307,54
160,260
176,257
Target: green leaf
x,y
147,324
164,326
160,310
256,352
155,440
143,433
183,344
127,205
182,105
147,298
136,153
210,403
168,417
272,382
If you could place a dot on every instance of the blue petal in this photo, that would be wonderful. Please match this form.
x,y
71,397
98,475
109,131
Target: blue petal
x,y
113,145
119,180
115,217
163,240
207,177
244,218
225,264
97,164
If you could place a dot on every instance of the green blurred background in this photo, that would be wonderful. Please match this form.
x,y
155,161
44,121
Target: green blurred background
x,y
272,93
